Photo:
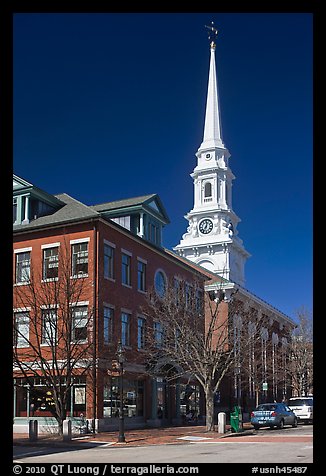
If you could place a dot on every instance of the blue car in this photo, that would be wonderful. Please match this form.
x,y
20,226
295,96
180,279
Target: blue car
x,y
273,414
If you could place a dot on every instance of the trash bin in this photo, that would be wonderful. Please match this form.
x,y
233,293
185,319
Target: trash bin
x,y
236,420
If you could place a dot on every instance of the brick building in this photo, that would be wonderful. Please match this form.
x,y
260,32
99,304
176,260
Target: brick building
x,y
259,337
114,258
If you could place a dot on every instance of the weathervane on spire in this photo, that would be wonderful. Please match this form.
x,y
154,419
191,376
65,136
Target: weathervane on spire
x,y
212,34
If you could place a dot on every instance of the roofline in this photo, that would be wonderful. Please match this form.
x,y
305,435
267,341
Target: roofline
x,y
150,195
139,206
273,309
124,208
162,251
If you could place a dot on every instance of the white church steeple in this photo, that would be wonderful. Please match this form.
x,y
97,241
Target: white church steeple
x,y
212,129
212,238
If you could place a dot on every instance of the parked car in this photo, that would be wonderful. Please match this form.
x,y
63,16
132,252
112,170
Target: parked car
x,y
303,408
273,414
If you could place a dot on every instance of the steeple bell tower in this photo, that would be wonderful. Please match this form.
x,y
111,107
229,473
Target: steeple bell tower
x,y
211,239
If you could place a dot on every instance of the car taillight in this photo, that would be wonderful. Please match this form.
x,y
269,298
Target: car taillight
x,y
252,414
273,414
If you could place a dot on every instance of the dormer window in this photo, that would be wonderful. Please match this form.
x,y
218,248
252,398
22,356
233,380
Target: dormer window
x,y
30,203
14,210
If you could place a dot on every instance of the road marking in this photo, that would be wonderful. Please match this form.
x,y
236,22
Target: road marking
x,y
193,438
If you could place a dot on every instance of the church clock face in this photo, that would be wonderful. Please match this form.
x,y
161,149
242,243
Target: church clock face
x,y
205,226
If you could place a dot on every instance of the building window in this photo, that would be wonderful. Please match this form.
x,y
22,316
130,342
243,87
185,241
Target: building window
x,y
158,334
122,221
79,323
79,259
141,276
23,267
126,265
49,326
160,283
21,336
208,189
141,333
108,261
208,192
199,301
125,329
153,233
50,263
133,398
14,211
108,324
177,288
188,295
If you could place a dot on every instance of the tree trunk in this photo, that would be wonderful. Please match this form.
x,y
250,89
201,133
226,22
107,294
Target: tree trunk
x,y
60,426
209,394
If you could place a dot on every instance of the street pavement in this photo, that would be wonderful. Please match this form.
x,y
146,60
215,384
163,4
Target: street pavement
x,y
173,445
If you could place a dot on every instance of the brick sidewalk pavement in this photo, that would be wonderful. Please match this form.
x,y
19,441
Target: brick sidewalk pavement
x,y
136,437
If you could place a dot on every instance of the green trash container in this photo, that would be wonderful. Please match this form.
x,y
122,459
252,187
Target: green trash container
x,y
236,420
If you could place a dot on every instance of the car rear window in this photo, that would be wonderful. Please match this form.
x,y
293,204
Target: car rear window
x,y
301,401
266,408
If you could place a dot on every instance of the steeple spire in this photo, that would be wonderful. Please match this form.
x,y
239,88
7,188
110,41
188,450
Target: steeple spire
x,y
211,239
212,130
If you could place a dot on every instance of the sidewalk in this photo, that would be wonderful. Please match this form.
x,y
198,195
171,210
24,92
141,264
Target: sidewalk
x,y
139,437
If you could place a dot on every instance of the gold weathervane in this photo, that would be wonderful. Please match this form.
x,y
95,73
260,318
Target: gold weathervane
x,y
212,34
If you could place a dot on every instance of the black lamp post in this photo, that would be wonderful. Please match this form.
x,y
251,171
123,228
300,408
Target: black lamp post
x,y
238,374
121,360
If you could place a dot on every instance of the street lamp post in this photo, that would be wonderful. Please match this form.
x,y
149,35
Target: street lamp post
x,y
238,376
121,360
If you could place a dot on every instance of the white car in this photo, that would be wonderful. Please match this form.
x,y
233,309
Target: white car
x,y
302,407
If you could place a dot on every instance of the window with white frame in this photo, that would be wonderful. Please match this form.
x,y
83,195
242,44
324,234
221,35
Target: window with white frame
x,y
49,326
123,221
79,253
108,261
50,262
108,324
125,329
21,335
23,267
79,323
141,323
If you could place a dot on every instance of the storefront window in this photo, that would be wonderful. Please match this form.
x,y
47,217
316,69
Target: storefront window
x,y
133,398
40,399
189,399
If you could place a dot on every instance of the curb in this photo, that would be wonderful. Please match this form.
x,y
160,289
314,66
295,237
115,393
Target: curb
x,y
240,433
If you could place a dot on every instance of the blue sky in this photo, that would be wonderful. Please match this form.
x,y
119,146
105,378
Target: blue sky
x,y
110,106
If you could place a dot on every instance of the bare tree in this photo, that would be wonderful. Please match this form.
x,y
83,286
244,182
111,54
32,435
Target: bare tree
x,y
55,342
301,354
200,334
